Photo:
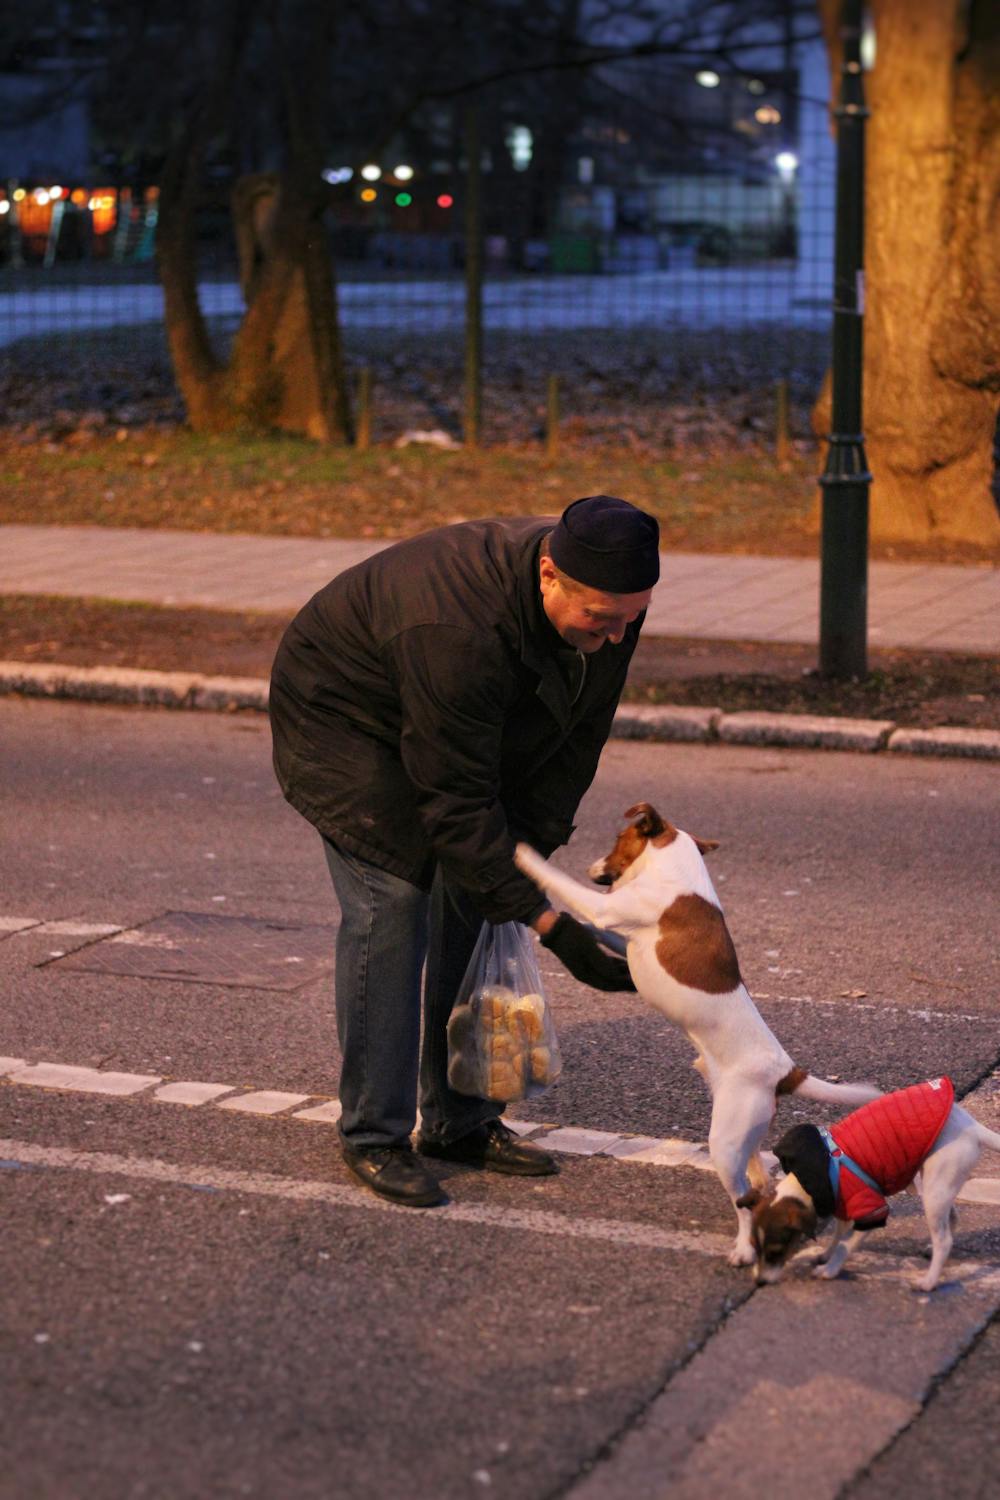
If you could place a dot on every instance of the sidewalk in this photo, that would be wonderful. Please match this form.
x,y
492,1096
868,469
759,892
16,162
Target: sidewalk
x,y
942,607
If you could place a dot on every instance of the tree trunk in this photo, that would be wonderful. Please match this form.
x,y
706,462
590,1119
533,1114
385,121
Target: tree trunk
x,y
285,368
932,325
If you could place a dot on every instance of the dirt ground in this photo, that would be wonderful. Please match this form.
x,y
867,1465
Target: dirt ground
x,y
679,421
913,688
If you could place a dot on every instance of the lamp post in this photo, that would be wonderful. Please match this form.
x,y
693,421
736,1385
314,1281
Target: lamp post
x,y
843,614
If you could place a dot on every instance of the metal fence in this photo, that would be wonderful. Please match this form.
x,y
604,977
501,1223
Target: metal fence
x,y
680,237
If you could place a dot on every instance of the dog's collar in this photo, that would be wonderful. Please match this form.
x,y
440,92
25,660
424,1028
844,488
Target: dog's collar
x,y
839,1158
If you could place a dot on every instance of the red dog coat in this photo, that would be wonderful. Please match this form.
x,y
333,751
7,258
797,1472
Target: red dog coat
x,y
889,1140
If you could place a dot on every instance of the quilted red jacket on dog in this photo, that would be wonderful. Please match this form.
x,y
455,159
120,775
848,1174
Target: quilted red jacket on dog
x,y
889,1139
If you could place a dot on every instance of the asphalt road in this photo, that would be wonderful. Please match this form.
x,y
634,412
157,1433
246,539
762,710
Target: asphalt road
x,y
195,1301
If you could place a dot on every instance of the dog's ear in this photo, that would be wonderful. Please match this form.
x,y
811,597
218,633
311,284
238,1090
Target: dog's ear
x,y
802,1218
705,846
750,1199
649,824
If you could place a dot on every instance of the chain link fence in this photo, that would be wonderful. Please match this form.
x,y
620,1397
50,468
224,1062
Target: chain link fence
x,y
656,264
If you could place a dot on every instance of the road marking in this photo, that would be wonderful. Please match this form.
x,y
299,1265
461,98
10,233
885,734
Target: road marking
x,y
567,1140
619,1232
623,1233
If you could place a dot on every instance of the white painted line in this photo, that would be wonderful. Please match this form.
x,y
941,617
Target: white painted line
x,y
192,1093
263,1102
564,1139
76,928
577,1142
83,1080
620,1232
18,924
321,1114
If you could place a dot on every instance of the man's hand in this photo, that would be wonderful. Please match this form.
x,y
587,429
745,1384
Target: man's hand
x,y
580,952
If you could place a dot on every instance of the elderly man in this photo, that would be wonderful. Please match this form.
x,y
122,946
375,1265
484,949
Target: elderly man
x,y
429,708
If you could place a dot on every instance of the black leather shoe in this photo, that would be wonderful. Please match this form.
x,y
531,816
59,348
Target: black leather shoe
x,y
495,1148
394,1172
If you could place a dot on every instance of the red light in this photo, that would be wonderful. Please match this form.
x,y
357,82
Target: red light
x,y
445,200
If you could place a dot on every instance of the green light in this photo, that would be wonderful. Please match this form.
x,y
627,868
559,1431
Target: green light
x,y
404,199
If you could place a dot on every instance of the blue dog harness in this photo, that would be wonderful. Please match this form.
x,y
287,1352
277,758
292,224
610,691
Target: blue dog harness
x,y
839,1158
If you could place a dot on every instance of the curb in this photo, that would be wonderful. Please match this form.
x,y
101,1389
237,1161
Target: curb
x,y
633,721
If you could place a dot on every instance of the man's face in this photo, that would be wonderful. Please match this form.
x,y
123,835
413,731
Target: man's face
x,y
586,617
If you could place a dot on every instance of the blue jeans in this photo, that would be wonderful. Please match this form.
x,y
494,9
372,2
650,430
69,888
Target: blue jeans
x,y
388,929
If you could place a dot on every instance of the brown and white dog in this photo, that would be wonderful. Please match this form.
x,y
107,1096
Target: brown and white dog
x,y
682,960
846,1174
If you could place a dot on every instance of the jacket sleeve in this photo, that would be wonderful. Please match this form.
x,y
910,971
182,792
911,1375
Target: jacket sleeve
x,y
454,689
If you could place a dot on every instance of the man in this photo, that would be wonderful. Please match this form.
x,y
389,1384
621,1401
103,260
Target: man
x,y
429,708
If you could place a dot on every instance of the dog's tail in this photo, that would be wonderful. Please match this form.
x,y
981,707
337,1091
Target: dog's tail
x,y
804,1086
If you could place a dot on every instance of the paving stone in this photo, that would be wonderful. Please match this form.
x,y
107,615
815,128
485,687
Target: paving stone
x,y
580,1142
666,721
321,1114
230,693
670,1152
263,1102
817,730
192,1093
981,1190
83,1080
980,744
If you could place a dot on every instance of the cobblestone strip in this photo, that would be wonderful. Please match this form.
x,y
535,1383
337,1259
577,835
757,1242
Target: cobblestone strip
x,y
666,722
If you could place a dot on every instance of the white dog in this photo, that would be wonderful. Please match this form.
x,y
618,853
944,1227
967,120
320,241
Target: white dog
x,y
847,1174
682,960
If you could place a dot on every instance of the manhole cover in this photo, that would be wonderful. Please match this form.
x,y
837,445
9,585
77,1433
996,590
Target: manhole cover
x,y
202,948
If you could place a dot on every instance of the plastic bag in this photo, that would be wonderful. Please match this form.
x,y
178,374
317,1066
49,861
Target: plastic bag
x,y
501,1039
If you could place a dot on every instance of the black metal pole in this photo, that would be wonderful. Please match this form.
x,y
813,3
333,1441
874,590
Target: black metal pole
x,y
472,417
843,611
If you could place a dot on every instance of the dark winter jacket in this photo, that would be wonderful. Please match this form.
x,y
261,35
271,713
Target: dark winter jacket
x,y
425,711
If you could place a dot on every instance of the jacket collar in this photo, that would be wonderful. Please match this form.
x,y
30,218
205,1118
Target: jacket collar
x,y
541,643
803,1151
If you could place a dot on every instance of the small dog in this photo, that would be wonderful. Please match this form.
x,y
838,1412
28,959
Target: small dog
x,y
682,960
848,1172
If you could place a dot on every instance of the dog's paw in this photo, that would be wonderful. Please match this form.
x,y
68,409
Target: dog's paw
x,y
742,1255
925,1284
527,859
812,1257
826,1272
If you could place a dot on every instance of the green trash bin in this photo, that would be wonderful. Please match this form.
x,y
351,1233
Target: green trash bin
x,y
573,252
